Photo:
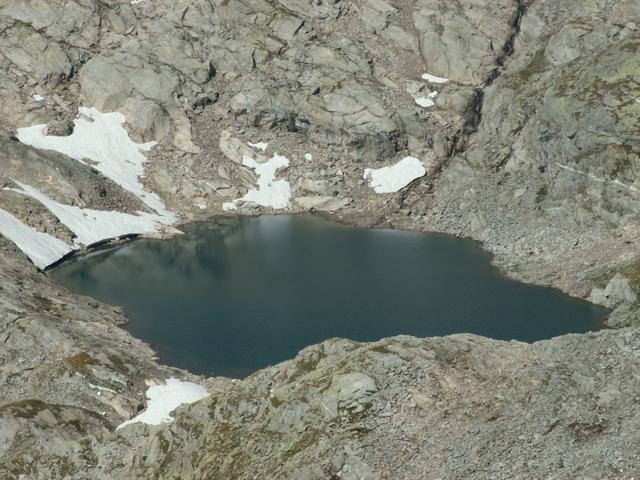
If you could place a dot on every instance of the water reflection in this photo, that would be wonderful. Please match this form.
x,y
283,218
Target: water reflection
x,y
235,295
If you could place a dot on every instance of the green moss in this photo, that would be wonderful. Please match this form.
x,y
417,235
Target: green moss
x,y
537,65
310,439
118,363
302,368
541,194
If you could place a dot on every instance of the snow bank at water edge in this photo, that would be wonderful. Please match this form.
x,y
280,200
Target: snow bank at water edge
x,y
163,399
92,226
270,192
395,177
101,140
41,248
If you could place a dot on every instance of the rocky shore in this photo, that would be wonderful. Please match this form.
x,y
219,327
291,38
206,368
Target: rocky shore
x,y
520,119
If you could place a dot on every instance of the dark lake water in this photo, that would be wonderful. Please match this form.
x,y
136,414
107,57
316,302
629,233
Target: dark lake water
x,y
235,295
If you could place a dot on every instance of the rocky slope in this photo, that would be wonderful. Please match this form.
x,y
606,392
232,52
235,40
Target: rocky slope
x,y
531,146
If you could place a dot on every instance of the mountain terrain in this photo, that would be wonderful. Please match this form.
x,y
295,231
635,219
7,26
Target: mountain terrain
x,y
524,118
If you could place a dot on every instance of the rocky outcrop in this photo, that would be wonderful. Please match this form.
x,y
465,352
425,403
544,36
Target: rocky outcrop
x,y
548,179
459,407
341,75
463,40
456,407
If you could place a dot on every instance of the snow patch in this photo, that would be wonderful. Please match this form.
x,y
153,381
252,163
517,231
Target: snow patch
x,y
433,79
42,248
92,226
308,157
426,101
259,146
270,192
163,399
98,139
101,140
395,177
38,98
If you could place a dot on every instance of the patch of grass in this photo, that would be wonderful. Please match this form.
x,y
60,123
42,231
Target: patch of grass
x,y
276,402
80,363
118,363
307,441
537,65
541,194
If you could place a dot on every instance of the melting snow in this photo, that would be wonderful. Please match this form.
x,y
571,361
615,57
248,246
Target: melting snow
x,y
433,79
270,192
427,101
102,139
259,146
41,248
92,226
395,177
163,399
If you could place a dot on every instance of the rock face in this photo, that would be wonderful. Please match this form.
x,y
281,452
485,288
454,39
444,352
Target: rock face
x,y
549,177
462,40
527,126
459,407
456,407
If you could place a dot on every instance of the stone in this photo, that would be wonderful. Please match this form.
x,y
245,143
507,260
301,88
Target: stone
x,y
322,203
234,149
314,186
460,44
617,292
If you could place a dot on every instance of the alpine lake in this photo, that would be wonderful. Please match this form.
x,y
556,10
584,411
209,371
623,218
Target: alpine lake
x,y
237,294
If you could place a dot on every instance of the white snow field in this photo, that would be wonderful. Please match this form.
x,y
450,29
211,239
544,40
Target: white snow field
x,y
163,399
102,139
98,139
270,192
92,226
395,177
41,248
